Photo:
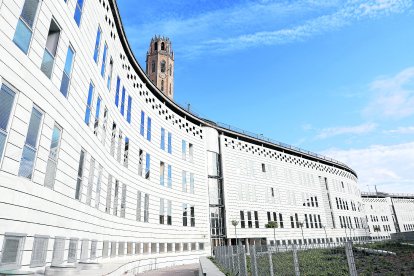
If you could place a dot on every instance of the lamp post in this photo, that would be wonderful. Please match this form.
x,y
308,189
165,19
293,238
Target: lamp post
x,y
301,228
235,223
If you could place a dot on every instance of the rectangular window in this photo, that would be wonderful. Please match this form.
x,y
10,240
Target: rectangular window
x,y
268,217
162,173
162,146
78,11
90,181
30,147
146,208
263,167
97,45
141,130
149,129
123,200
162,210
104,124
297,220
50,50
169,212
256,219
138,214
184,149
73,250
123,101
113,136
147,166
108,195
105,53
140,162
97,113
98,187
24,29
242,221
53,157
129,110
126,152
118,86
306,221
118,157
39,251
12,251
191,151
185,214
6,104
79,179
281,220
191,183
249,219
116,194
89,104
111,69
184,181
169,142
67,71
169,176
192,214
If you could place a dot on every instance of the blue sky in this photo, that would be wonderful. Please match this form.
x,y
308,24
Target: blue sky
x,y
333,77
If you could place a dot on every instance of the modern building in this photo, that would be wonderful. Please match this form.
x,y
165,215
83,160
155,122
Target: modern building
x,y
98,165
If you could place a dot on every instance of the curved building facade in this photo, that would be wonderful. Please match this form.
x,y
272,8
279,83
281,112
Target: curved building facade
x,y
99,166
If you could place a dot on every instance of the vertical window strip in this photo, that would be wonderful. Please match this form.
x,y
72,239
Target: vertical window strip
x,y
30,147
79,180
126,152
89,104
147,166
123,101
90,181
141,130
192,183
139,202
162,173
105,52
184,149
49,54
116,193
108,195
169,142
184,181
123,200
98,187
162,146
129,110
78,11
169,176
67,71
146,208
53,158
111,68
97,45
97,113
118,86
6,105
24,29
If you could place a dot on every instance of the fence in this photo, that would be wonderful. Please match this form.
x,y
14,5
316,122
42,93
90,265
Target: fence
x,y
379,258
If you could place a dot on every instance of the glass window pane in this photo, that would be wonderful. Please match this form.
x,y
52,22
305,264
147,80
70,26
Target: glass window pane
x,y
2,142
34,124
64,86
77,16
29,11
47,64
27,162
22,36
69,61
6,103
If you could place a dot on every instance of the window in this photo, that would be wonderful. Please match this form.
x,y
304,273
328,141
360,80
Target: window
x,y
242,222
185,214
51,47
39,251
162,170
116,195
263,167
90,181
169,212
191,151
184,149
108,195
162,85
170,75
67,71
272,191
118,84
129,109
126,152
149,129
105,53
162,46
249,219
104,124
12,251
140,162
139,199
162,210
97,45
192,214
146,208
24,29
256,219
78,11
113,136
97,112
111,68
119,151
53,157
6,104
281,220
191,183
141,130
73,249
123,200
147,166
169,142
78,191
162,146
98,187
123,101
153,66
89,104
169,176
162,64
184,181
30,147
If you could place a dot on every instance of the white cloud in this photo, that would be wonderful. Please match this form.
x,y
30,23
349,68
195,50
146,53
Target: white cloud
x,y
401,130
391,168
393,97
334,131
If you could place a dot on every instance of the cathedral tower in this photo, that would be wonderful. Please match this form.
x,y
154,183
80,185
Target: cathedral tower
x,y
160,65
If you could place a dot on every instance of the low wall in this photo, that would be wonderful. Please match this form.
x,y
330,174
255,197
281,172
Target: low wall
x,y
404,236
208,268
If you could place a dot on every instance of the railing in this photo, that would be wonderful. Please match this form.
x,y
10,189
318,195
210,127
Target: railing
x,y
387,194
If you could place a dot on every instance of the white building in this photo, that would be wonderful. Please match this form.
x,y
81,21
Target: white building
x,y
97,165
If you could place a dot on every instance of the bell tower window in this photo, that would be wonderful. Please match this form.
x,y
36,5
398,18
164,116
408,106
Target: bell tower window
x,y
163,66
162,85
153,66
156,46
162,46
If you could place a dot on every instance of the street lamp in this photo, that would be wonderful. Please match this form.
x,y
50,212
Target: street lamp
x,y
235,223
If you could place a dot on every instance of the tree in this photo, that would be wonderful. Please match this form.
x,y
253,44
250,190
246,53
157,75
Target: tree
x,y
274,225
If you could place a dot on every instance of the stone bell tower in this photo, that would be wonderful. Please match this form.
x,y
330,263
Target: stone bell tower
x,y
160,65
